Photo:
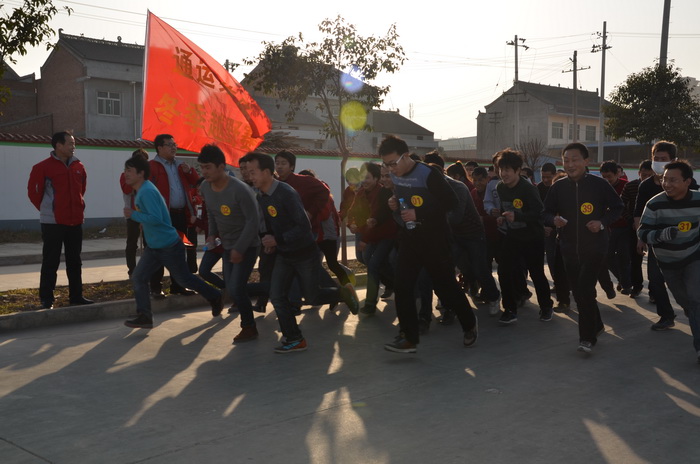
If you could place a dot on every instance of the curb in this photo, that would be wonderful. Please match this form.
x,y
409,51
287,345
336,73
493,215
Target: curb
x,y
19,260
106,310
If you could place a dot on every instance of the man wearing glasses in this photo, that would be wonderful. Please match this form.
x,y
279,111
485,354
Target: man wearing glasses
x,y
174,178
423,242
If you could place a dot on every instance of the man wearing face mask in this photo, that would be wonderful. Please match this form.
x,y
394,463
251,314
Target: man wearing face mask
x,y
662,153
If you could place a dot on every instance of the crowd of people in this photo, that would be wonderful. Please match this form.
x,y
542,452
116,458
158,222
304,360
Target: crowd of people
x,y
420,227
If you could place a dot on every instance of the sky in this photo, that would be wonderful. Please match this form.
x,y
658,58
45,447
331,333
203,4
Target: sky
x,y
458,59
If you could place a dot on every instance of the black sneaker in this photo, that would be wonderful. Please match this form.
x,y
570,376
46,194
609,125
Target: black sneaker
x,y
368,309
610,293
217,305
663,324
562,307
546,314
635,292
470,336
400,345
448,317
80,301
585,346
140,322
626,291
388,291
508,317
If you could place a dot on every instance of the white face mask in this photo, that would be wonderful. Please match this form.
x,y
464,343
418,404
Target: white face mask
x,y
658,166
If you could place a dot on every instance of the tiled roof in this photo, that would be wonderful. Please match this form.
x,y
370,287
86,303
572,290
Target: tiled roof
x,y
392,122
560,97
276,109
102,50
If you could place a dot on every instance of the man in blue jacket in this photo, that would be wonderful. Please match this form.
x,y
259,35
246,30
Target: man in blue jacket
x,y
581,206
164,245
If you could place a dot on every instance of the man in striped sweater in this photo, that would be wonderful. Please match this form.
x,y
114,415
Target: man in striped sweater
x,y
669,225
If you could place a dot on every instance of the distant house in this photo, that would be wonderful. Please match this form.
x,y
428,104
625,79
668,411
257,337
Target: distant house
x,y
19,113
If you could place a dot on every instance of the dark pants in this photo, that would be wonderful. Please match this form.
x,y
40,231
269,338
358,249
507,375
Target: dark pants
x,y
561,280
619,256
531,252
329,248
435,257
472,252
376,257
208,262
55,237
636,259
133,233
657,288
179,221
583,271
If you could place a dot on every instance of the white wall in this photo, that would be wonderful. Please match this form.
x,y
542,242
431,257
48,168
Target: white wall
x,y
104,165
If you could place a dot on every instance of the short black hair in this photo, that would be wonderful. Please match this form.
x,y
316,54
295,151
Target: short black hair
x,y
140,152
392,144
140,164
160,139
434,158
508,158
665,146
307,172
472,163
548,167
609,166
264,161
374,169
646,165
59,137
683,166
289,156
576,146
528,172
480,171
457,169
211,153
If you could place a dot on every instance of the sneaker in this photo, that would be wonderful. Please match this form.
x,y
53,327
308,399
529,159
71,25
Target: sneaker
x,y
663,324
610,293
448,317
140,322
349,296
470,336
494,307
508,317
626,291
562,307
158,295
388,291
423,326
585,346
289,347
635,292
546,314
246,334
652,300
368,309
400,345
233,308
217,305
523,299
259,307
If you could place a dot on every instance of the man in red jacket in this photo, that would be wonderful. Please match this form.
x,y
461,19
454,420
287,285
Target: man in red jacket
x,y
56,188
174,179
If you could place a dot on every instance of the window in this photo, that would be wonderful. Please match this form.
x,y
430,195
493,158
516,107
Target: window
x,y
571,131
109,103
558,130
590,133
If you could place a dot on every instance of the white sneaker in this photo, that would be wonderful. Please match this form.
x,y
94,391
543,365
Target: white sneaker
x,y
494,307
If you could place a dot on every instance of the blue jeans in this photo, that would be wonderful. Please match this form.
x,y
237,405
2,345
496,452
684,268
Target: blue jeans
x,y
173,258
209,260
376,257
685,288
236,276
307,270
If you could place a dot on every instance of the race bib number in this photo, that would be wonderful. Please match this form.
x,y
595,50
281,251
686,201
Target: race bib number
x,y
517,203
225,210
586,208
417,201
272,211
684,226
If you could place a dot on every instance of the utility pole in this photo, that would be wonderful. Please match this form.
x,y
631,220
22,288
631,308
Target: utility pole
x,y
495,121
663,55
601,116
515,44
575,70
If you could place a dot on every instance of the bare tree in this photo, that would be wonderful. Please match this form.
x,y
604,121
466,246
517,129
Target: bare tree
x,y
534,153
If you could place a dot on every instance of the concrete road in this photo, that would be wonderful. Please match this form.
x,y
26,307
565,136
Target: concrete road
x,y
182,393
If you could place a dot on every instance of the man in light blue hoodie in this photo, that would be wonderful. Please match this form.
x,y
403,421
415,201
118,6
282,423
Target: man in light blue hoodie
x,y
164,245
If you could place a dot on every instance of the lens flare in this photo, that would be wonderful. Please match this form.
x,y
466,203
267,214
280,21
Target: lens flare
x,y
352,80
353,116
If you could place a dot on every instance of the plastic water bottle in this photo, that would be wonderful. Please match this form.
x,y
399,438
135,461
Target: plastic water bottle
x,y
410,225
211,245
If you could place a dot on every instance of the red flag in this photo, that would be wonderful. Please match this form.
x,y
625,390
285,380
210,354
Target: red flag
x,y
191,96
